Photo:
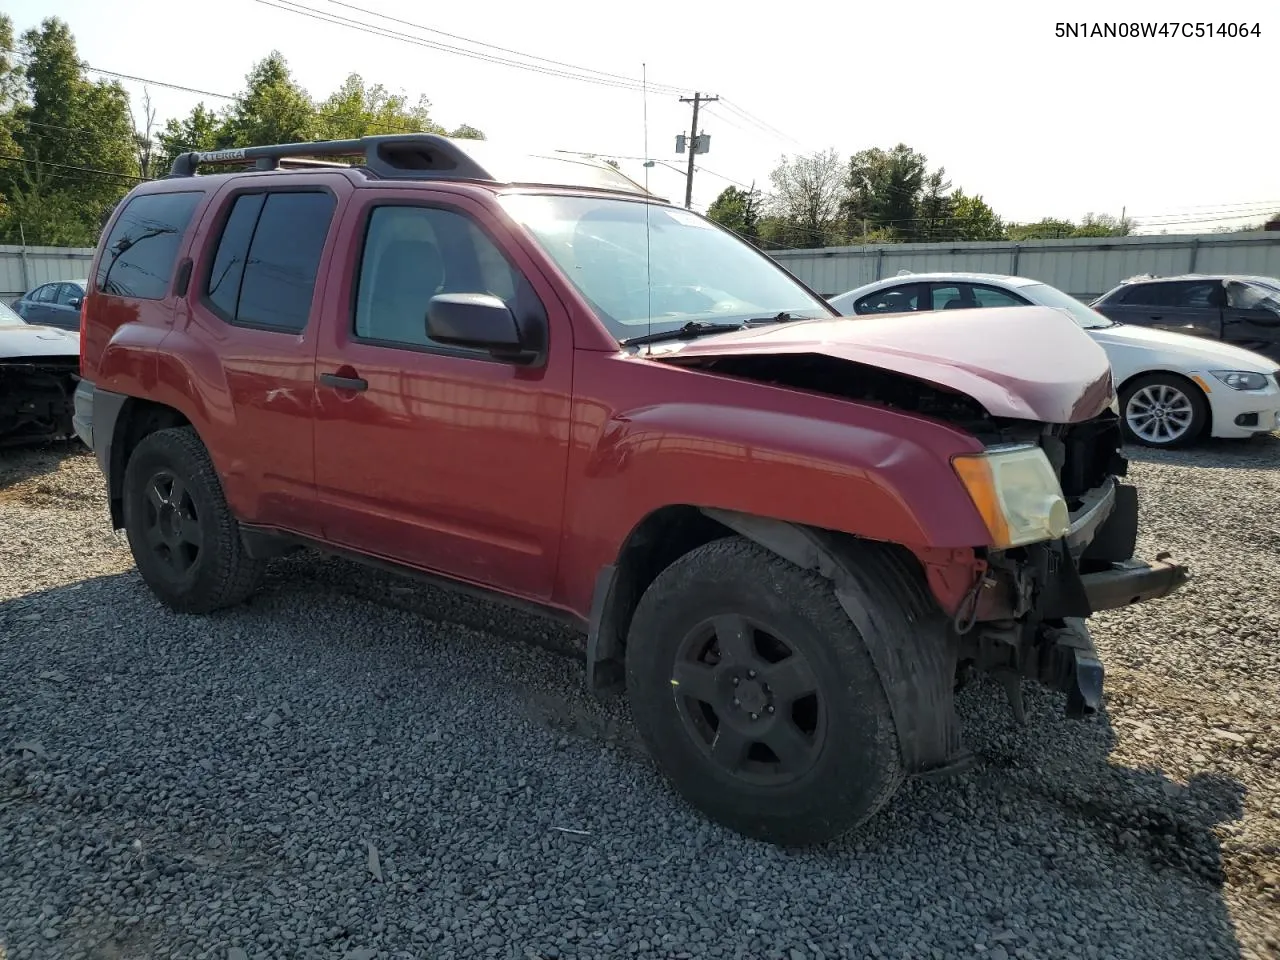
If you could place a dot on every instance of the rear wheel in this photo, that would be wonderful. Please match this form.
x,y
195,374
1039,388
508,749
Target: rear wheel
x,y
758,698
1163,410
184,539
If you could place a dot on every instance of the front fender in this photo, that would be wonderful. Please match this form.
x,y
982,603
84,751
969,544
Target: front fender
x,y
872,473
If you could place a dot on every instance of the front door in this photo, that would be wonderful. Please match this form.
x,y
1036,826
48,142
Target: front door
x,y
1252,318
441,458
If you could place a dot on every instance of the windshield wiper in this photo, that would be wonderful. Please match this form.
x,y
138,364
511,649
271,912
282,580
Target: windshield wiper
x,y
782,317
694,328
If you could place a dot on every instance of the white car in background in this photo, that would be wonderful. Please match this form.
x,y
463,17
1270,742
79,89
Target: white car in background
x,y
38,370
1172,388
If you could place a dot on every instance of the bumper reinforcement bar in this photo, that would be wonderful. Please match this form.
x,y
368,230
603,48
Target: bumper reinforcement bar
x,y
1133,581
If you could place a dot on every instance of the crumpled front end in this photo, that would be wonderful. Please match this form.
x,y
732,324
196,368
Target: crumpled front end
x,y
1024,616
36,398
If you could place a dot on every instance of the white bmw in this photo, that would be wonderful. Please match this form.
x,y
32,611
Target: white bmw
x,y
1172,388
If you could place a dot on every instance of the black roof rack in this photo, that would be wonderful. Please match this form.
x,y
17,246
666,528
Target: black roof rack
x,y
421,156
397,156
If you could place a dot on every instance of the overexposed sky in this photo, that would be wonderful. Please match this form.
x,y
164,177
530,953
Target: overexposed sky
x,y
1181,133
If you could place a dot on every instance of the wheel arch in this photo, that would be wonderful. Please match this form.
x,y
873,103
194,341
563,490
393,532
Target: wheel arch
x,y
1183,378
137,418
916,665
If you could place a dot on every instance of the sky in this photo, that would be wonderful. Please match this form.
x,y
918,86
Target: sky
x,y
1178,133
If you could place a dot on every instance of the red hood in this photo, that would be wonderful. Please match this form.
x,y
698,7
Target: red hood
x,y
1028,363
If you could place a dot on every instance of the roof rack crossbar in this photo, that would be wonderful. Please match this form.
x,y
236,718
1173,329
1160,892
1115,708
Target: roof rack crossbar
x,y
400,156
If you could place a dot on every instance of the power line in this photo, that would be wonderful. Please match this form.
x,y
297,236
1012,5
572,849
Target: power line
x,y
68,166
659,88
290,6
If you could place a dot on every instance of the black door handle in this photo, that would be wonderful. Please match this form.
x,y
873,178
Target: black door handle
x,y
1157,316
344,383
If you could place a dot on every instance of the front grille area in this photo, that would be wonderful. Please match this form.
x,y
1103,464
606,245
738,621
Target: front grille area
x,y
1086,454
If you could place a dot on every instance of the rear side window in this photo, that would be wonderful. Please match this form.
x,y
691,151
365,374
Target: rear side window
x,y
902,299
264,269
138,255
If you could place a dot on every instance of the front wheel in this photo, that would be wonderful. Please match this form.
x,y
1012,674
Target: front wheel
x,y
184,539
1163,410
758,698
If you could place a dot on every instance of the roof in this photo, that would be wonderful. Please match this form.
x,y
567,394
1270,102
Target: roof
x,y
1244,277
423,157
958,276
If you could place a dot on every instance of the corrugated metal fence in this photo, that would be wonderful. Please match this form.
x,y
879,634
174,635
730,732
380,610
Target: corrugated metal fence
x,y
1084,268
23,268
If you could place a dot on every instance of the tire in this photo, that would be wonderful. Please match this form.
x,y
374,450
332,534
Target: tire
x,y
849,763
1185,408
184,539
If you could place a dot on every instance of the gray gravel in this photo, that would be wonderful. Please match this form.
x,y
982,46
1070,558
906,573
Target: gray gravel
x,y
352,766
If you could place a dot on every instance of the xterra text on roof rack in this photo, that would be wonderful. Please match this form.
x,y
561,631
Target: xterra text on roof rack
x,y
782,533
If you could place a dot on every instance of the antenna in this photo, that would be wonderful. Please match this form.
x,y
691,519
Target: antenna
x,y
648,271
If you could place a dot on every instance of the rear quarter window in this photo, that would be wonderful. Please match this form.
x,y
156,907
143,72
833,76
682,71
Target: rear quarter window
x,y
138,255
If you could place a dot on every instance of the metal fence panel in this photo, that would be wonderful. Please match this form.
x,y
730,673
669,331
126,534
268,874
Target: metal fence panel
x,y
24,268
1083,267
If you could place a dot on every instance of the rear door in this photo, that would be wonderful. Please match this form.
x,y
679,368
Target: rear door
x,y
255,305
38,308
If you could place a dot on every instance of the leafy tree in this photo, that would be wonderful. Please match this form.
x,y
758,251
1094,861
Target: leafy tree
x,y
272,109
358,110
75,138
973,219
883,188
808,194
467,132
1046,229
198,131
1103,225
739,210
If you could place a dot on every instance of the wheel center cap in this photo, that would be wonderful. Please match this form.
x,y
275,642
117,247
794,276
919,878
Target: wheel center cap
x,y
751,696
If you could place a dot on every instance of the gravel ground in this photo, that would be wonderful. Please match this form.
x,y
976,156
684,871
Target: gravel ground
x,y
352,766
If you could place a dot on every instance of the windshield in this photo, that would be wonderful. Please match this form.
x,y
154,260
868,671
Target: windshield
x,y
681,269
8,318
1083,315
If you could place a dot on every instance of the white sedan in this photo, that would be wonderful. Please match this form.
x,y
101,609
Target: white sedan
x,y
1172,388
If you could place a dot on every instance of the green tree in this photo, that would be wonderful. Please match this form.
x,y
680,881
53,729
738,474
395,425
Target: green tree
x,y
75,138
272,109
973,219
1103,225
1046,229
467,132
358,110
199,130
739,210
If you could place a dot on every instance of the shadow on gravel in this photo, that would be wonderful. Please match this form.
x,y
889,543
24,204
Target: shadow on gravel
x,y
328,710
1256,453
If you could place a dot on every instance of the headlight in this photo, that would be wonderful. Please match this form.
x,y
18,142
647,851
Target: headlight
x,y
1017,493
1241,379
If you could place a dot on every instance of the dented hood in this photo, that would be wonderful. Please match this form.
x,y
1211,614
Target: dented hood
x,y
1028,363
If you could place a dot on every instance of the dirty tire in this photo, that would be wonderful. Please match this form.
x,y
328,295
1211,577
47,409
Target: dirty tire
x,y
221,573
857,767
1187,399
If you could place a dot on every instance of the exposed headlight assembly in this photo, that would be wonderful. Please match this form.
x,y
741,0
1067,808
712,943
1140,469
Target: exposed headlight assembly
x,y
1241,379
1017,493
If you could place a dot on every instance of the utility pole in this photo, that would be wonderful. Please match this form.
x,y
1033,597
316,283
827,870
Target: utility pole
x,y
697,100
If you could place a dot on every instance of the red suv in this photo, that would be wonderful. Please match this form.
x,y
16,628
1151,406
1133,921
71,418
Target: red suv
x,y
787,535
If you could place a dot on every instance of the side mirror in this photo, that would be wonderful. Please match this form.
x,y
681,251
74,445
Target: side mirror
x,y
74,302
478,321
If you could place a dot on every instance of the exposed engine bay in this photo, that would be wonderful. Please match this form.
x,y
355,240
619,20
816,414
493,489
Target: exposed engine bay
x,y
36,398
